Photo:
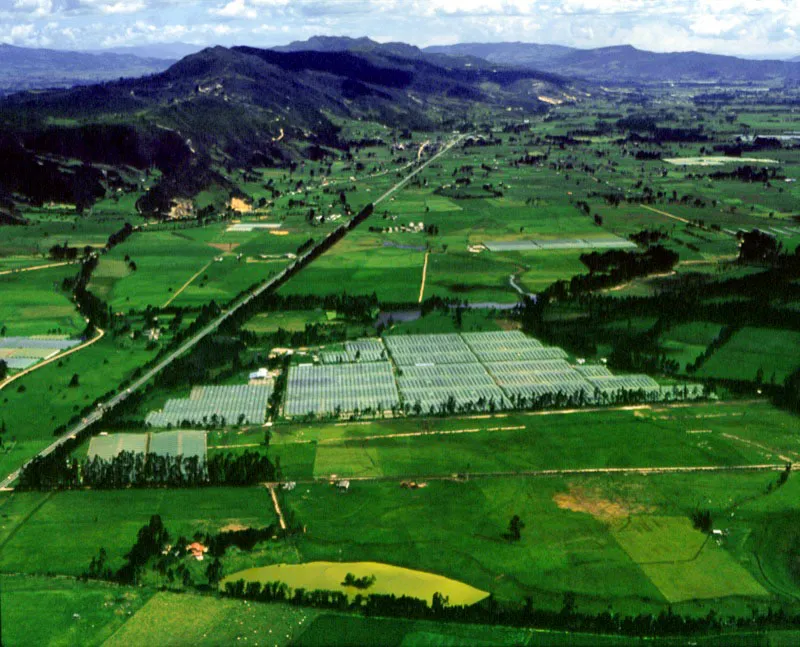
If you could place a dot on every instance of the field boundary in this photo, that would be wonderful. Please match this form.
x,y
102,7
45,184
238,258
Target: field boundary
x,y
34,268
424,275
576,471
187,284
664,213
271,487
27,518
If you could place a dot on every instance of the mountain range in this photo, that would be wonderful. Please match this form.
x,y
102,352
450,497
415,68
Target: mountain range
x,y
28,68
23,68
626,64
247,106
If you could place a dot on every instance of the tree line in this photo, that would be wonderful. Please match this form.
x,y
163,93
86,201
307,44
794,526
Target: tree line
x,y
59,470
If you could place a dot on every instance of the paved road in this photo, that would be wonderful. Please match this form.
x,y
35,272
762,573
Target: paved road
x,y
98,413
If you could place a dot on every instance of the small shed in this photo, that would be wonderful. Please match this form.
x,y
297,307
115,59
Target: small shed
x,y
260,374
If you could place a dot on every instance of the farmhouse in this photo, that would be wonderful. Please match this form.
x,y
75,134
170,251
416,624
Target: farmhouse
x,y
260,374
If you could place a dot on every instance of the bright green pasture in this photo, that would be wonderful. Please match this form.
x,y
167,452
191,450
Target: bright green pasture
x,y
686,342
362,266
165,261
620,540
456,530
615,441
33,303
339,630
774,351
185,619
510,443
191,266
544,268
63,612
682,562
50,227
35,405
477,278
111,519
288,320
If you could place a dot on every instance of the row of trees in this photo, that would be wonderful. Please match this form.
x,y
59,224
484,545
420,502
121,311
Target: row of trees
x,y
58,470
558,399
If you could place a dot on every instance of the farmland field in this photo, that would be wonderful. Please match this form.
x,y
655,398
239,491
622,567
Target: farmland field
x,y
60,611
683,563
686,342
772,353
112,520
34,303
203,620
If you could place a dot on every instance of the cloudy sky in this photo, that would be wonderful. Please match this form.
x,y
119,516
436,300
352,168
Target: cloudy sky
x,y
755,28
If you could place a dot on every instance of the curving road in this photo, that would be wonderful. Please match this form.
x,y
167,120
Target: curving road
x,y
98,413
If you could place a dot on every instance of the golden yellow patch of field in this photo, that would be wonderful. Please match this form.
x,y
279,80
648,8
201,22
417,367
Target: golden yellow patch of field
x,y
237,204
389,579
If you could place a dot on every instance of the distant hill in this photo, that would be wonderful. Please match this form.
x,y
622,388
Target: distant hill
x,y
167,51
625,64
247,106
518,54
23,68
347,44
366,45
796,59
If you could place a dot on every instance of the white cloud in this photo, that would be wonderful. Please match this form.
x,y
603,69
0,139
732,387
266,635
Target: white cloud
x,y
234,9
33,7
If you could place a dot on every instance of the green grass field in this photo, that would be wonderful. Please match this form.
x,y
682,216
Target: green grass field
x,y
684,343
290,321
572,540
182,619
111,520
682,562
701,434
362,267
773,352
35,405
519,443
33,303
63,612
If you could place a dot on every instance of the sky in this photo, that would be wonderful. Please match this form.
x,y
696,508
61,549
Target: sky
x,y
750,28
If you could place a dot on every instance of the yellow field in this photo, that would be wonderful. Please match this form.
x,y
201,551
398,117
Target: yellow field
x,y
390,579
